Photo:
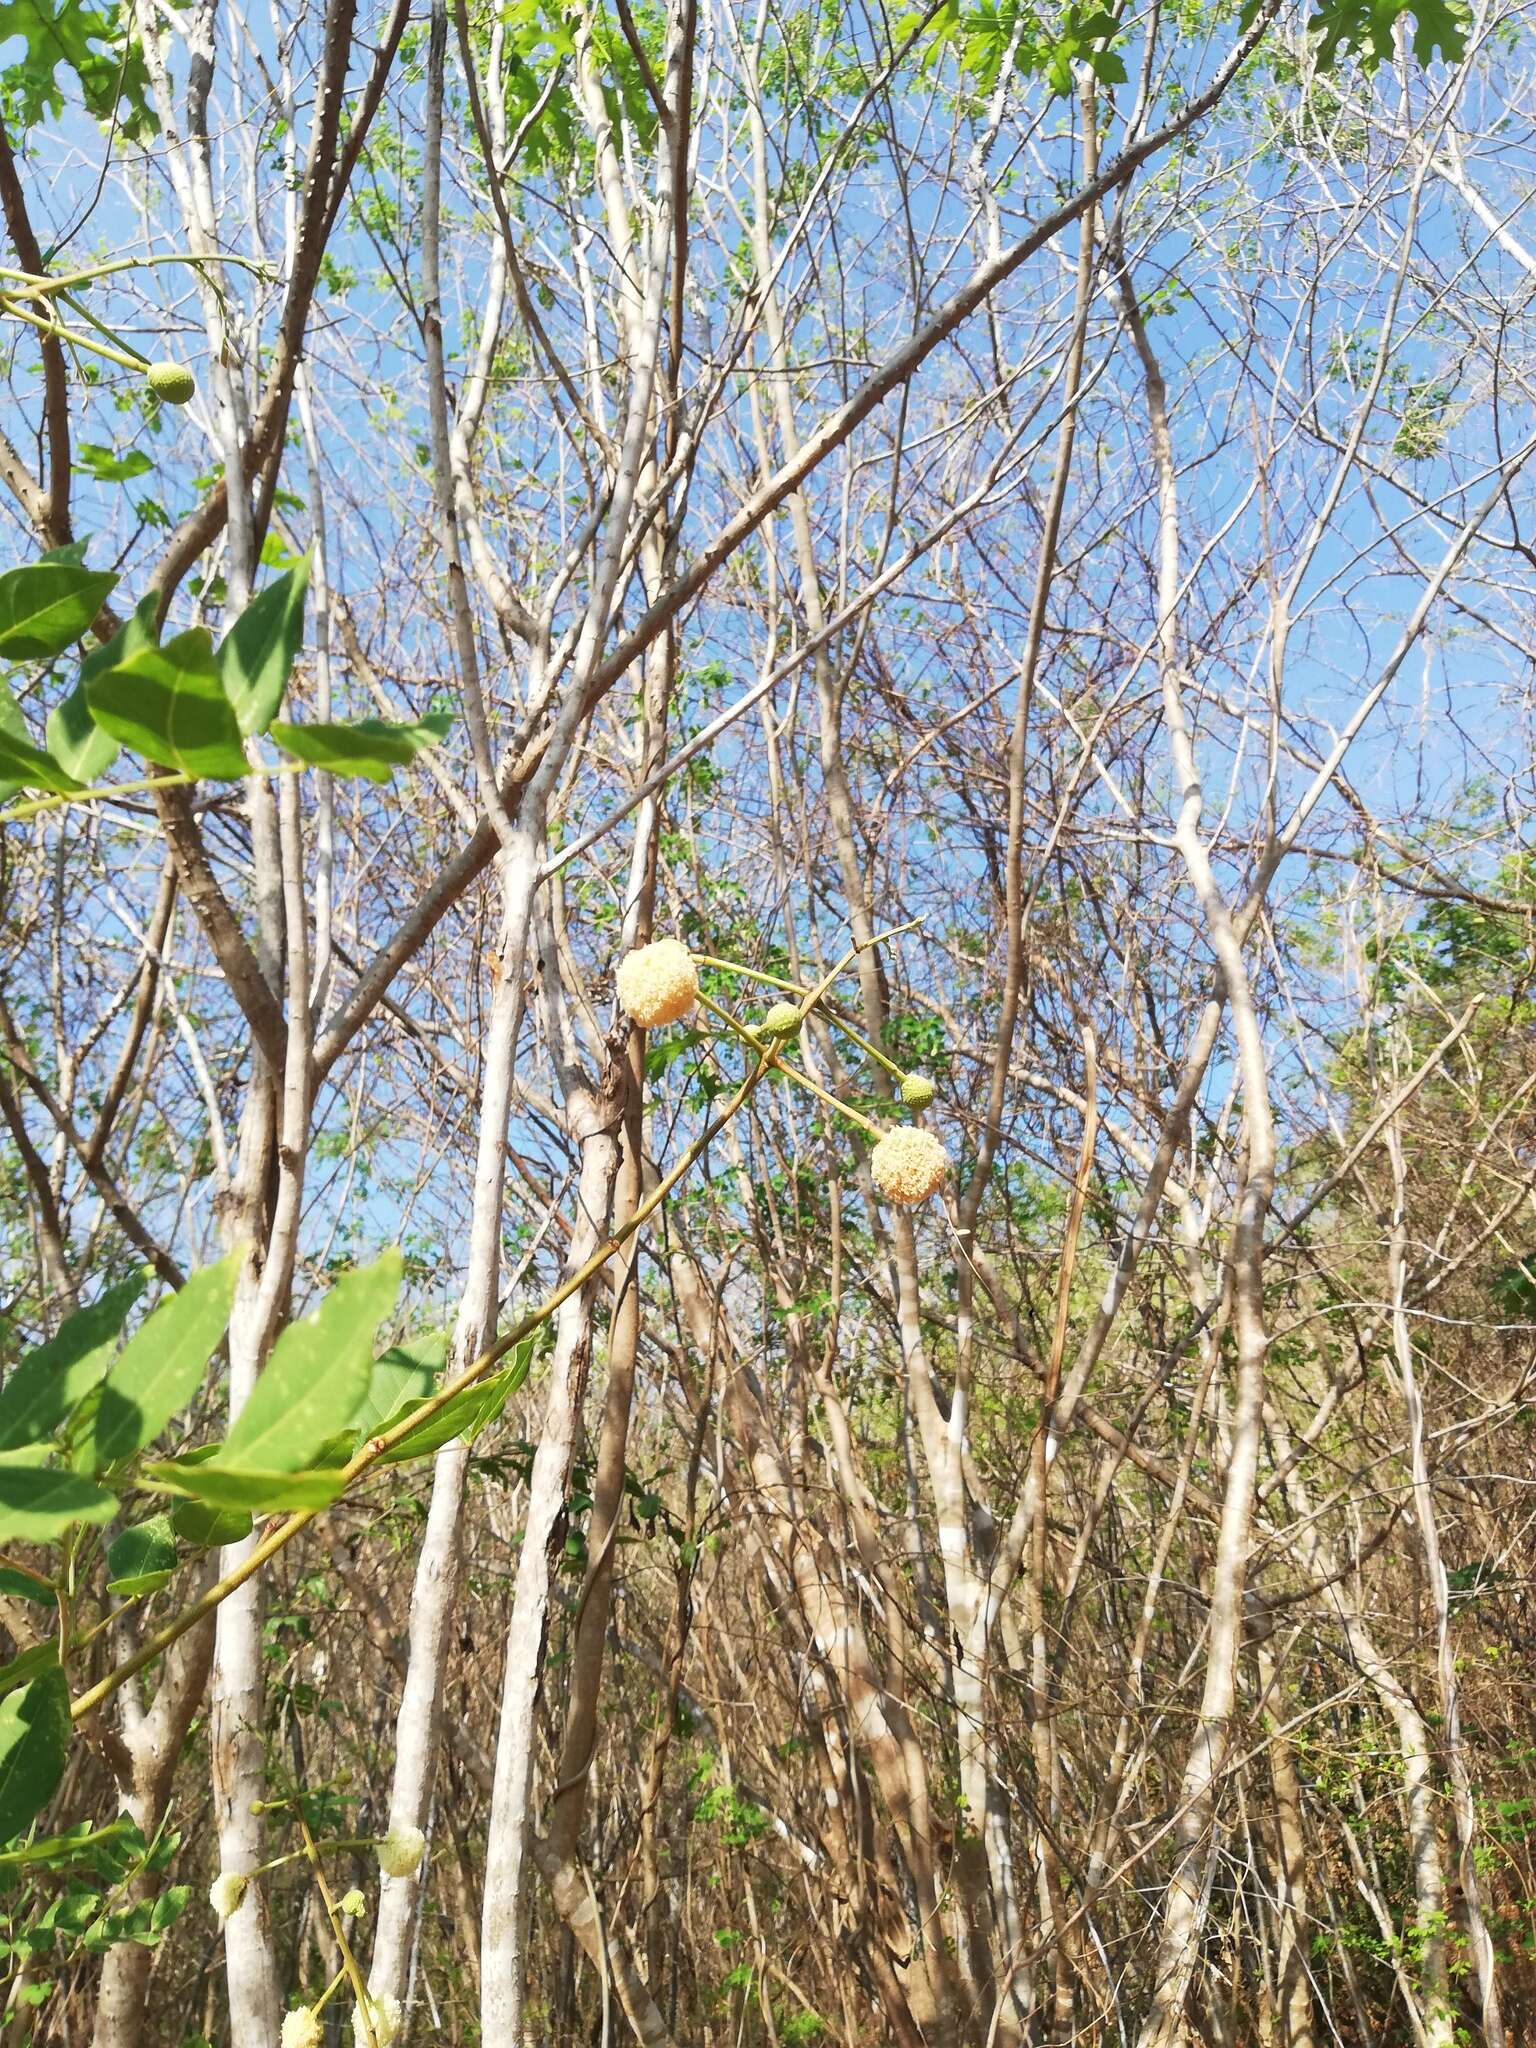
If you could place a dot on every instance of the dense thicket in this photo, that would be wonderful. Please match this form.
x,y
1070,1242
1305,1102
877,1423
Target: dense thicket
x,y
1010,530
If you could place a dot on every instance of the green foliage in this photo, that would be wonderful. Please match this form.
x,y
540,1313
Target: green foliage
x,y
258,653
184,706
1365,29
372,747
51,1381
96,45
142,1559
467,1414
34,1741
161,1368
48,606
317,1376
168,704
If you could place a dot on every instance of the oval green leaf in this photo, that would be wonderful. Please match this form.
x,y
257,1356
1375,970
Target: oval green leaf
x,y
162,1366
34,1742
168,704
47,606
49,1382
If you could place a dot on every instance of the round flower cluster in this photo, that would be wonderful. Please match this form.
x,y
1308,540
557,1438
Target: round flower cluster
x,y
908,1165
171,382
401,1851
782,1021
351,1903
302,2028
384,2011
658,983
226,1892
917,1091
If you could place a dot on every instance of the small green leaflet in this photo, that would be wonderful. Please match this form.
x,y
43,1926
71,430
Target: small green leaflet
x,y
34,1741
466,1413
39,1502
23,1669
372,747
405,1372
162,1366
47,607
209,1528
23,766
247,1489
168,704
40,1393
257,654
142,1558
317,1375
107,467
75,740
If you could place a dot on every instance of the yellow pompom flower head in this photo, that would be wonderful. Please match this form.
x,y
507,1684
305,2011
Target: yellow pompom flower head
x,y
908,1165
302,2028
658,983
400,1852
782,1021
226,1892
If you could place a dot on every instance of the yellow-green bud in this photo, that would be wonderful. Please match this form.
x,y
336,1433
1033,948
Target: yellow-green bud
x,y
917,1091
782,1021
171,382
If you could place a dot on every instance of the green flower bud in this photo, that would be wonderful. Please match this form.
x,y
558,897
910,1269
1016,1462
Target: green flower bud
x,y
782,1021
171,382
917,1091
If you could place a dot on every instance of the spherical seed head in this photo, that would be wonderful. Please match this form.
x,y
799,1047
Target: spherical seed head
x,y
401,1851
917,1091
908,1165
171,382
782,1021
384,2011
226,1892
302,2028
658,983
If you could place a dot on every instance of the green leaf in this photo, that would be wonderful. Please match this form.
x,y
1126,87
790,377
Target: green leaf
x,y
39,1502
23,766
23,1669
162,1366
1366,29
75,740
20,1587
318,1373
107,467
235,1488
405,1372
257,654
209,1528
47,606
372,747
168,704
34,1741
49,1381
142,1558
466,1414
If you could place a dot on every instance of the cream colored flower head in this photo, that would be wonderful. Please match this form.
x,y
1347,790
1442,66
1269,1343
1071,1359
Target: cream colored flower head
x,y
226,1892
385,2014
351,1903
401,1851
908,1165
302,2028
658,983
